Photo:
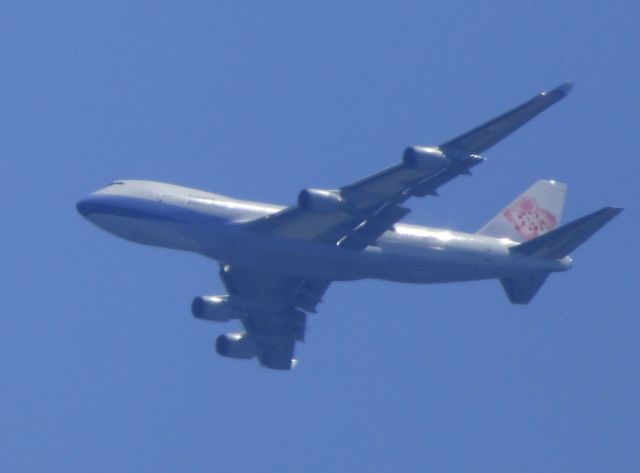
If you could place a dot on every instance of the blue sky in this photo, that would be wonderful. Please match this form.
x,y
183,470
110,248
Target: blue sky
x,y
103,367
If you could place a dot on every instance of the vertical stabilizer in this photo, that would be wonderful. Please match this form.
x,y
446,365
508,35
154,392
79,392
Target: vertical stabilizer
x,y
537,211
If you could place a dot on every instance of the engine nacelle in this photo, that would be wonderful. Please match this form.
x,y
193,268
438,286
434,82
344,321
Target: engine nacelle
x,y
320,200
235,345
215,308
423,157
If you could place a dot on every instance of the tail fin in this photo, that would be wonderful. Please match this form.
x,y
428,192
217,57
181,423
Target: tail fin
x,y
537,211
555,244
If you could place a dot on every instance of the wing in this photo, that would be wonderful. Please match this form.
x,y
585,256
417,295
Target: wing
x,y
272,310
488,134
355,215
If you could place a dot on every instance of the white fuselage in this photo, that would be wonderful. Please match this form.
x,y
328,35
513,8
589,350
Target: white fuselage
x,y
178,217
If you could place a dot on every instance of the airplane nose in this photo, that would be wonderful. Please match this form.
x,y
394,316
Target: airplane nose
x,y
84,206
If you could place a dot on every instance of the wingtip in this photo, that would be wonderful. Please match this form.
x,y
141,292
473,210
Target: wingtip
x,y
566,87
613,211
562,90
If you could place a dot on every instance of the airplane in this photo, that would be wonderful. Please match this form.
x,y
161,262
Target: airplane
x,y
277,262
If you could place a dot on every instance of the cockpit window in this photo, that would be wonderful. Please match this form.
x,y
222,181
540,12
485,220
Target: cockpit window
x,y
121,183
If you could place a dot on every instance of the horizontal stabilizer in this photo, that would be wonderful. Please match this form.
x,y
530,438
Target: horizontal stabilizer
x,y
521,290
560,242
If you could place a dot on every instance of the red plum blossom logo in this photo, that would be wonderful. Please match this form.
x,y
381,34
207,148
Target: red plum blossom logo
x,y
529,219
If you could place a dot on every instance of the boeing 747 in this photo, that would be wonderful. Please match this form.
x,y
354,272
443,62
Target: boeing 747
x,y
277,262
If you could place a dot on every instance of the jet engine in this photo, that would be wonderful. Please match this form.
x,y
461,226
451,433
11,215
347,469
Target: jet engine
x,y
320,200
235,345
214,308
422,157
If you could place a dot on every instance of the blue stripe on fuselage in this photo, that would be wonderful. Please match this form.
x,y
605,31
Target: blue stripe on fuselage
x,y
131,207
